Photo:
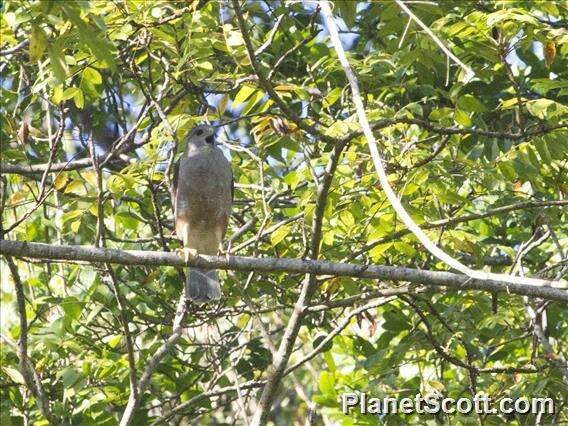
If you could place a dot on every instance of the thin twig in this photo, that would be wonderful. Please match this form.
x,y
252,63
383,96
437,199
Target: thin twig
x,y
378,163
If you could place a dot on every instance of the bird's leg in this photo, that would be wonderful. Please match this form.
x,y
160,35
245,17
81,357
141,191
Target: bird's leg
x,y
188,253
226,252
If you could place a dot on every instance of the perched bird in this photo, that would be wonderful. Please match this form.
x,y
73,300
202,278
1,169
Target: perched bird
x,y
203,190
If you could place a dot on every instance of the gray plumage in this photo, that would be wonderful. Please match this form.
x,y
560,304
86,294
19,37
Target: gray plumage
x,y
203,189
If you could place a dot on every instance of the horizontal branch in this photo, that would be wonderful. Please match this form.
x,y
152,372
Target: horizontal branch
x,y
379,124
548,290
34,169
11,50
465,218
207,395
40,168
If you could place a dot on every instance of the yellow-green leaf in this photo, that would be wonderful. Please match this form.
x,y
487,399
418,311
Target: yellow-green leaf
x,y
436,385
75,225
14,374
79,99
377,251
60,181
75,187
92,75
243,95
91,177
57,62
348,11
462,118
280,234
38,41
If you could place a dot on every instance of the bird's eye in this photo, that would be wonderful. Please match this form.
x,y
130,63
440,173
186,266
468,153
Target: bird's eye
x,y
199,132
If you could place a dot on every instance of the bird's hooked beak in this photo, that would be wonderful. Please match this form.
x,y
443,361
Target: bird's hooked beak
x,y
210,138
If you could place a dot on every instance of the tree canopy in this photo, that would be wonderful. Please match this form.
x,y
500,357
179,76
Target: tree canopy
x,y
468,103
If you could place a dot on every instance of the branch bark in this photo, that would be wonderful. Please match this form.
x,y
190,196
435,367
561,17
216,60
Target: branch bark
x,y
469,72
135,397
83,163
18,47
27,369
552,290
461,219
381,172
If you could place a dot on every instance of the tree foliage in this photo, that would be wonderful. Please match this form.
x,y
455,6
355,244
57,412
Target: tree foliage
x,y
97,98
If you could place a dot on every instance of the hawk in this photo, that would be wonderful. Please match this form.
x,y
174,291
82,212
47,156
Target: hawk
x,y
203,191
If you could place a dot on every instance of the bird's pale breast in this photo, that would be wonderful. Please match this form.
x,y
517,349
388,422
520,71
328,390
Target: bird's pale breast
x,y
203,199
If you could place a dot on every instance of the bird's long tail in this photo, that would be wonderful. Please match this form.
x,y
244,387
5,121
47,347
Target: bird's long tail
x,y
202,285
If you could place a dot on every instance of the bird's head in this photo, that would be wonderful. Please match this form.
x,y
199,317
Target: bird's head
x,y
200,136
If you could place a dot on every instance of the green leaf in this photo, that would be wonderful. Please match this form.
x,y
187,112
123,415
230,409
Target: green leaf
x,y
57,97
113,340
470,103
395,321
92,76
405,248
546,109
533,158
69,93
440,113
57,62
293,179
542,148
101,48
38,41
280,234
79,99
126,219
508,171
462,118
348,11
347,218
14,374
556,144
72,215
206,65
72,307
318,339
490,149
376,252
545,85
75,226
332,97
69,377
243,95
326,382
257,96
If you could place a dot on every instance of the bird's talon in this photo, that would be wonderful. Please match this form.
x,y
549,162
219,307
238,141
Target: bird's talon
x,y
227,252
188,253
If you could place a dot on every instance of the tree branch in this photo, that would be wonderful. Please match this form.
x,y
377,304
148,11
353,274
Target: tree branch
x,y
448,52
280,359
379,124
135,397
376,125
381,172
26,366
11,50
553,290
461,219
267,86
206,395
123,316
